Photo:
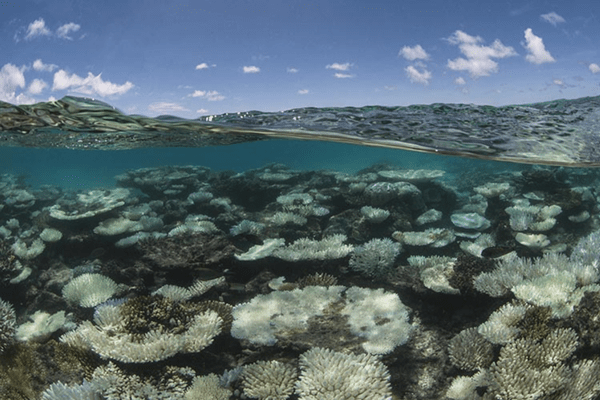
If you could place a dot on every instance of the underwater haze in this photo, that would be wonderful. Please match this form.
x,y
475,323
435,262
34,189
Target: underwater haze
x,y
299,200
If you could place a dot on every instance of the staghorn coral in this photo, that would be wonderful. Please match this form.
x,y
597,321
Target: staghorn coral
x,y
7,324
177,293
470,351
89,290
269,380
329,248
207,388
527,369
375,258
328,375
145,329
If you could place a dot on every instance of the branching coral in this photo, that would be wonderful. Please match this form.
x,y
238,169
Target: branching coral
x,y
145,330
327,374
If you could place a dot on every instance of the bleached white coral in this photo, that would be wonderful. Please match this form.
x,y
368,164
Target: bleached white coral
x,y
328,248
109,337
25,252
464,387
261,251
269,380
282,218
265,316
7,324
89,204
470,351
375,315
50,235
60,391
501,325
327,374
553,290
379,317
247,227
207,388
375,258
89,290
41,326
553,280
116,226
177,293
492,189
374,215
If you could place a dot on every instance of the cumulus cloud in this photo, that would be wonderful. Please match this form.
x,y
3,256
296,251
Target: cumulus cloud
x,y
537,51
460,81
417,76
91,85
303,91
202,66
11,78
202,111
37,86
552,18
342,76
37,28
339,67
251,69
64,30
38,65
594,68
211,95
479,58
165,107
413,53
292,70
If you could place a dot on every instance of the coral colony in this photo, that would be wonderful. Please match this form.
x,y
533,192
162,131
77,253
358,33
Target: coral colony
x,y
184,283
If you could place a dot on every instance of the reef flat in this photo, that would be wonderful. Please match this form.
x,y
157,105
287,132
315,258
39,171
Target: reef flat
x,y
186,283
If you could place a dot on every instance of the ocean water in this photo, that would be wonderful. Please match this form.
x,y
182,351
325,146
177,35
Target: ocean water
x,y
338,253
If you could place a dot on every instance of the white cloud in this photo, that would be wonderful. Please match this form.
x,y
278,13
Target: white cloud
x,y
417,76
594,68
11,78
339,67
478,59
38,65
292,70
537,52
559,82
303,91
90,85
64,30
202,66
251,69
342,76
460,81
37,28
211,95
202,111
37,86
164,107
553,18
413,53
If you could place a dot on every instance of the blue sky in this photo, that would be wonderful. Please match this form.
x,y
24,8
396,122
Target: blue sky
x,y
193,58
